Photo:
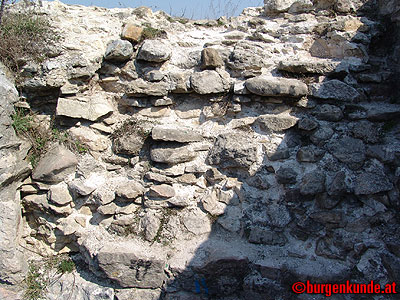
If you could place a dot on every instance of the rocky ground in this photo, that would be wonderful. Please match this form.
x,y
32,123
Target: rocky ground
x,y
220,159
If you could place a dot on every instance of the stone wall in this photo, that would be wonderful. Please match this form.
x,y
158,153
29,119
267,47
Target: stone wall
x,y
224,157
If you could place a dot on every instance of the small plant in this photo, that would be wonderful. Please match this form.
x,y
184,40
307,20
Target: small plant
x,y
43,274
40,137
80,148
25,37
21,122
151,33
66,266
35,284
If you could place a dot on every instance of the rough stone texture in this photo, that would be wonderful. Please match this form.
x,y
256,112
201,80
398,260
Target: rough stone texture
x,y
244,65
119,50
314,66
51,169
273,86
130,190
59,194
89,107
233,151
328,112
313,183
139,87
131,267
334,90
349,151
210,58
130,294
267,237
367,131
279,6
212,205
74,287
171,153
161,191
321,135
89,138
307,124
155,51
278,122
179,134
309,154
272,205
196,222
130,137
286,175
373,180
131,32
209,82
13,169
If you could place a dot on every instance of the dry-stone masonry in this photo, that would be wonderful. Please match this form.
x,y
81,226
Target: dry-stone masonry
x,y
225,159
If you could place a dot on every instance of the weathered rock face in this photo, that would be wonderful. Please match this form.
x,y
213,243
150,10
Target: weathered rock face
x,y
209,82
221,156
130,268
88,107
119,50
179,134
233,151
13,169
172,153
272,86
51,169
334,90
155,51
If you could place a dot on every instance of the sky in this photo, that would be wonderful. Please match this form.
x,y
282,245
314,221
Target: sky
x,y
196,9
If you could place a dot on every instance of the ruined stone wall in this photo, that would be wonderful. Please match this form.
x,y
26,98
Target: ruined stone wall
x,y
219,158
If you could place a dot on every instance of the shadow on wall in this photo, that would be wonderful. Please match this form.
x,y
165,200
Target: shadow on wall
x,y
298,216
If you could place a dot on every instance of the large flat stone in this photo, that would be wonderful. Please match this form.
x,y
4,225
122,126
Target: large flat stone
x,y
89,107
139,87
273,86
171,153
129,265
311,66
170,133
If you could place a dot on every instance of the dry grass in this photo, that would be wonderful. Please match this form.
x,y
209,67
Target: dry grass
x,y
25,37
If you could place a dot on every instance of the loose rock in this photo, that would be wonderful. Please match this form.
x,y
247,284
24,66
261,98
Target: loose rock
x,y
273,86
51,169
155,51
119,50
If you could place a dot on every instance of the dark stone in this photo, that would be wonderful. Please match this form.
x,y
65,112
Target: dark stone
x,y
326,248
232,150
328,112
307,124
313,183
349,151
310,154
286,175
267,237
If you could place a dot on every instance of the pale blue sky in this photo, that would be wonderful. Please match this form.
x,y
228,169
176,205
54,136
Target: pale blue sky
x,y
197,9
